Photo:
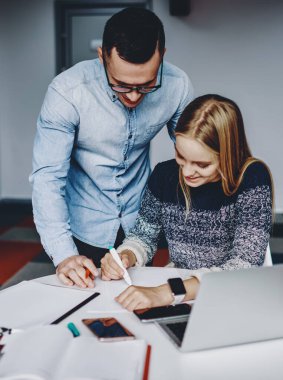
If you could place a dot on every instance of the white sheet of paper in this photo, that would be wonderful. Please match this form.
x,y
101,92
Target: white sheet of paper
x,y
107,289
141,276
31,303
53,280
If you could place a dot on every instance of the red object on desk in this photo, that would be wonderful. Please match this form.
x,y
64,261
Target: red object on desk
x,y
161,257
146,363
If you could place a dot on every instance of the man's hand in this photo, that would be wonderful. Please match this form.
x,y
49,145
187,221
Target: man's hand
x,y
73,270
140,297
110,270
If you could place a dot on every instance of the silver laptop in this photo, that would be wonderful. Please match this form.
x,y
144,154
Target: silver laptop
x,y
232,307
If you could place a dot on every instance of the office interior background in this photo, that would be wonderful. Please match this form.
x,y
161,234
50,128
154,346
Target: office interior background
x,y
230,47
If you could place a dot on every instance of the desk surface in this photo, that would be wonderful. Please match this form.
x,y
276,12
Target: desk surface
x,y
251,361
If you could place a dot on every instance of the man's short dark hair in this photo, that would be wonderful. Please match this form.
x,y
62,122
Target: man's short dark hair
x,y
135,33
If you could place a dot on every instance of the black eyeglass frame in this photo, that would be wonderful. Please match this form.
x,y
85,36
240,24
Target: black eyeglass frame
x,y
148,89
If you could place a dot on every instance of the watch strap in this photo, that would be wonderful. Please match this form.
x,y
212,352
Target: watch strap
x,y
178,290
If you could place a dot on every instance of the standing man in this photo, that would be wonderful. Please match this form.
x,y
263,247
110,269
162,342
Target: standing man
x,y
91,151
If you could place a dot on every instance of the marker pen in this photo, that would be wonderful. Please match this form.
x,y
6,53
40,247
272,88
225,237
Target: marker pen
x,y
116,257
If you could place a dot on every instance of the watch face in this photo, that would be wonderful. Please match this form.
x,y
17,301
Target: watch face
x,y
177,286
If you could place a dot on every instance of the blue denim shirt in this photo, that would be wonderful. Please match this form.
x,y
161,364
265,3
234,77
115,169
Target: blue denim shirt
x,y
91,155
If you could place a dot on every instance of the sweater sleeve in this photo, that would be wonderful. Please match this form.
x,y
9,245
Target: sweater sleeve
x,y
143,237
253,220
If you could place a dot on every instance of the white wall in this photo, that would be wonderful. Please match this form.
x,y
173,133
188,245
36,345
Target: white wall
x,y
234,48
27,65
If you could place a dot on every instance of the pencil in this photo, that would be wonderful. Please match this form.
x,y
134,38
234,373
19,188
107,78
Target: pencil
x,y
87,273
94,295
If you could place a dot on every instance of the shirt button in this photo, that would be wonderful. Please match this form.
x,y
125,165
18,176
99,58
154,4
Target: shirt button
x,y
120,214
130,136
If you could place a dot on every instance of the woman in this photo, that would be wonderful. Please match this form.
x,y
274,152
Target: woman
x,y
214,204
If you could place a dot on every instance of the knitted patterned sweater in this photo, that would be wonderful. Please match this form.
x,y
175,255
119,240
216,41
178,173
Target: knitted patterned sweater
x,y
218,232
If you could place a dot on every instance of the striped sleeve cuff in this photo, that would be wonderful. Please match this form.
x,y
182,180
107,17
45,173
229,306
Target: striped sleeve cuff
x,y
137,249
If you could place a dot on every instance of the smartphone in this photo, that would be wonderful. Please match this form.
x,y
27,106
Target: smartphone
x,y
108,329
163,312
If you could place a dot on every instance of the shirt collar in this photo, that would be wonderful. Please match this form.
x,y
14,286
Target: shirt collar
x,y
112,94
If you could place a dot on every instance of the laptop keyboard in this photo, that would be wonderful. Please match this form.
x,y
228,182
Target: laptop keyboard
x,y
178,329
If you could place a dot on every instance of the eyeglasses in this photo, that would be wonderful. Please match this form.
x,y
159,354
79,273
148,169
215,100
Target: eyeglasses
x,y
141,89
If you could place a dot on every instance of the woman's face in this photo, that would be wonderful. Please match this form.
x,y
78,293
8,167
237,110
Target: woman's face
x,y
199,165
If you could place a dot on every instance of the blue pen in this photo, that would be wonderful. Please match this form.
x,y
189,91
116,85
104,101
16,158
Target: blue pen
x,y
73,329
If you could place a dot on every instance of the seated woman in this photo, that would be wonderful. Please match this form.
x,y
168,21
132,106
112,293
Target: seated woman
x,y
214,204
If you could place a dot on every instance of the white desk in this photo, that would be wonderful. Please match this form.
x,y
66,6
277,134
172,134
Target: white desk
x,y
252,361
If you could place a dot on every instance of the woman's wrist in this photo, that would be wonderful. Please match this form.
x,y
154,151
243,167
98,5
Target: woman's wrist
x,y
166,296
192,287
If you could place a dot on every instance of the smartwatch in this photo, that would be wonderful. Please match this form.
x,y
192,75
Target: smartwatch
x,y
178,290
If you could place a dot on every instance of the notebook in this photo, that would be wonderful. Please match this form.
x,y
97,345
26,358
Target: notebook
x,y
232,307
51,353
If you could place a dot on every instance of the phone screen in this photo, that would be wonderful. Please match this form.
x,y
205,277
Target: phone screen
x,y
108,329
162,312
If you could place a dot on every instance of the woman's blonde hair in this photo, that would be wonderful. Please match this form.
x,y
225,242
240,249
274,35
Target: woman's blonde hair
x,y
217,123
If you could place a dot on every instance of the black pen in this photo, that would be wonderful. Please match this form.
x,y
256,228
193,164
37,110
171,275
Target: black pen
x,y
58,320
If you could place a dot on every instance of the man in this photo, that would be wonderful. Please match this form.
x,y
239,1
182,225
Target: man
x,y
91,151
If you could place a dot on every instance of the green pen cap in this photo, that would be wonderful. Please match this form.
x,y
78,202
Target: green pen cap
x,y
73,329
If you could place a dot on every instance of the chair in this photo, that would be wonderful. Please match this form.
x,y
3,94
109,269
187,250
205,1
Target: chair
x,y
161,258
268,259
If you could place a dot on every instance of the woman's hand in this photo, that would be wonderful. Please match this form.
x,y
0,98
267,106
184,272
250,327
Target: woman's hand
x,y
110,270
140,297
